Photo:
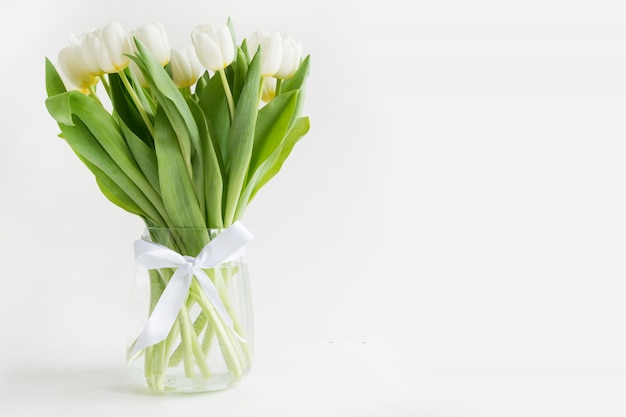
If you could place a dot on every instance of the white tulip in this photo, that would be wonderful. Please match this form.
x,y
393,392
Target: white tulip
x,y
271,45
214,46
185,66
106,48
269,89
82,55
154,36
74,69
292,53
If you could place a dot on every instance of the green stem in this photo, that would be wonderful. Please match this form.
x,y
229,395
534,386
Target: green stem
x,y
149,374
177,355
200,358
185,335
230,352
221,284
192,347
169,343
92,93
105,83
278,84
135,98
185,91
159,366
208,338
229,95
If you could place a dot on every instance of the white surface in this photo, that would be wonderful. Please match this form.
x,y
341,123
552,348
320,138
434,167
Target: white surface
x,y
333,379
458,205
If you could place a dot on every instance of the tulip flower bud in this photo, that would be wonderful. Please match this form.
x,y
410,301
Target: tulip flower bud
x,y
106,48
154,36
292,53
185,66
82,53
214,46
271,45
74,68
269,89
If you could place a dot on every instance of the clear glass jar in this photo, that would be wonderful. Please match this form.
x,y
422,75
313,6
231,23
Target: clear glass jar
x,y
201,351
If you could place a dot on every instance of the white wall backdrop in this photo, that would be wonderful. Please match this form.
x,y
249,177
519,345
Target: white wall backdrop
x,y
459,201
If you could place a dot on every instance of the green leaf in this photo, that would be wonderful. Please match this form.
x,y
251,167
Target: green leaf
x,y
213,174
112,191
213,103
271,127
240,70
125,107
85,144
231,28
176,188
201,83
300,128
244,49
99,140
172,102
60,109
106,131
54,83
241,138
197,159
58,101
297,81
144,155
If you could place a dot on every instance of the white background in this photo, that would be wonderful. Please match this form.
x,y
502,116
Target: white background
x,y
448,240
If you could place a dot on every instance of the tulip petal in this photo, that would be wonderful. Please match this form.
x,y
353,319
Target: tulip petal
x,y
116,47
271,46
214,46
154,36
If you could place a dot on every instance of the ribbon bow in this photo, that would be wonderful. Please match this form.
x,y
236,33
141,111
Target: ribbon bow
x,y
227,246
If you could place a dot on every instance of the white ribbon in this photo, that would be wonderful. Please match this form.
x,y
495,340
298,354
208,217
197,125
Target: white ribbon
x,y
227,246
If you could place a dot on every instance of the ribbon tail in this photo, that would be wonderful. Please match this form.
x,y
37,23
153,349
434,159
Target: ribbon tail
x,y
165,312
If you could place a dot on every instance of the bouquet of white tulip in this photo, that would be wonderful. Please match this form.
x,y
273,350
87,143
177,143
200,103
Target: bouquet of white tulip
x,y
186,140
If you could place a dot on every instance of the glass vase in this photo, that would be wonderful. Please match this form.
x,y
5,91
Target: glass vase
x,y
202,350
